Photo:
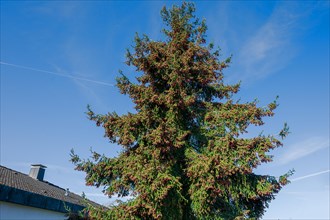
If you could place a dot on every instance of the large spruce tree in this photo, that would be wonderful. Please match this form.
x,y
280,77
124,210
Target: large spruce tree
x,y
183,155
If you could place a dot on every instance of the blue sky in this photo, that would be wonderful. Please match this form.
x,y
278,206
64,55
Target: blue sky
x,y
57,57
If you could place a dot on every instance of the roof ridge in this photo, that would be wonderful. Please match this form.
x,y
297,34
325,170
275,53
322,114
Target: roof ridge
x,y
27,175
15,171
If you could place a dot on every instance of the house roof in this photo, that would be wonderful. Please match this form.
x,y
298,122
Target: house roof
x,y
22,189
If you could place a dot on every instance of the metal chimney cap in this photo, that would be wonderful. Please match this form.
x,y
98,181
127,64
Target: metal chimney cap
x,y
38,165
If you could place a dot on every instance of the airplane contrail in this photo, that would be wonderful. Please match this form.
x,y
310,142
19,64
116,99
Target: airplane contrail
x,y
57,74
310,175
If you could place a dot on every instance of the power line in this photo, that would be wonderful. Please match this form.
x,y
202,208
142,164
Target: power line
x,y
57,74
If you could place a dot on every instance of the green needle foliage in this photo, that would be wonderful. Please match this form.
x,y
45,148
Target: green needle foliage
x,y
183,155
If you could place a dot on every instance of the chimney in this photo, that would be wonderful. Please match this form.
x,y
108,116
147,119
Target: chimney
x,y
67,192
37,171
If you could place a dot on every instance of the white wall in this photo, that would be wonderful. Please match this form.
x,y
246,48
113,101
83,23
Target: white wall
x,y
12,211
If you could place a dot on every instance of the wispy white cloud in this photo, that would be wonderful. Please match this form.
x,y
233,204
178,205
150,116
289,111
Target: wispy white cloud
x,y
112,197
59,169
83,84
310,175
57,74
303,149
95,195
271,48
105,200
154,24
219,26
277,41
91,95
262,44
64,11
